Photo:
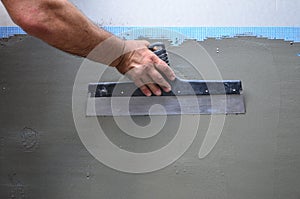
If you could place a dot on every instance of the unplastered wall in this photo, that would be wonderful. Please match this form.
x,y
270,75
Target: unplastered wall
x,y
4,18
193,12
192,19
208,13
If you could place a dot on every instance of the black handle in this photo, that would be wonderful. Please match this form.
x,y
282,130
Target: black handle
x,y
159,49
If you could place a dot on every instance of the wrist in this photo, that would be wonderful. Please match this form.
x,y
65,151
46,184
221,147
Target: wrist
x,y
110,51
119,60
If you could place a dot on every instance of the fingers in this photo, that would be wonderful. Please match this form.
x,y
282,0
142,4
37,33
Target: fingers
x,y
154,88
146,69
150,88
151,85
144,82
164,68
148,76
159,79
139,83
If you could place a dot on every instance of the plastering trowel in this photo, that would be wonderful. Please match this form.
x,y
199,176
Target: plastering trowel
x,y
186,97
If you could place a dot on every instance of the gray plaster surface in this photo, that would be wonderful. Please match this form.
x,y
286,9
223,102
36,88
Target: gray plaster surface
x,y
257,155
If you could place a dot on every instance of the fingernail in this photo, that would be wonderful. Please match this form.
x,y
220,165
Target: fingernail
x,y
158,92
148,94
173,77
167,89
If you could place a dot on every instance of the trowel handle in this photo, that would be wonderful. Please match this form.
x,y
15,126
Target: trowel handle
x,y
159,49
157,46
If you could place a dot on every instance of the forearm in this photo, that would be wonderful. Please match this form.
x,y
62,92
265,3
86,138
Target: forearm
x,y
63,26
60,24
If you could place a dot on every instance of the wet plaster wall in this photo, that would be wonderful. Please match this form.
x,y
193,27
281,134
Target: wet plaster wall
x,y
257,155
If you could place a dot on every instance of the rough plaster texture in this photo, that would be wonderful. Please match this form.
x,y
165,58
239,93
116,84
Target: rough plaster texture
x,y
257,156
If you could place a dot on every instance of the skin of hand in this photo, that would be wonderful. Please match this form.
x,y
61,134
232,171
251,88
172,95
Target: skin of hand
x,y
60,24
144,68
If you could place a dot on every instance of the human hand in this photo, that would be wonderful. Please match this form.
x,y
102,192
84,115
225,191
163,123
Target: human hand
x,y
146,70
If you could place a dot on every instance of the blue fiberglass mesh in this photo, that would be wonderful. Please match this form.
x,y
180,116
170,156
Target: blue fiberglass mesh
x,y
198,33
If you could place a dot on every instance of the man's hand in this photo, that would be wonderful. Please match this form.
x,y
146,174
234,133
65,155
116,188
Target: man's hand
x,y
62,25
145,68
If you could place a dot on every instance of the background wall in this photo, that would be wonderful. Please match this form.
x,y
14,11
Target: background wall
x,y
4,18
273,19
193,13
187,13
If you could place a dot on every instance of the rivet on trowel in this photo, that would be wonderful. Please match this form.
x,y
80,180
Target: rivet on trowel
x,y
4,89
12,196
103,91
